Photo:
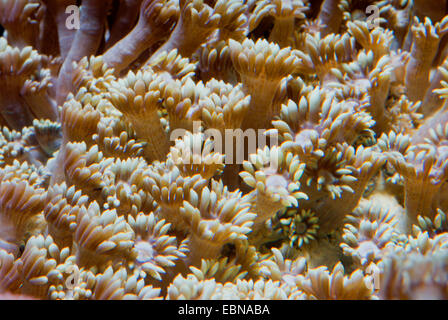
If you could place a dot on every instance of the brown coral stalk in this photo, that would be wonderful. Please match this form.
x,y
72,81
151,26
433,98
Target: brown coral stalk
x,y
9,111
48,37
157,142
330,16
262,66
137,96
196,23
142,37
86,42
378,97
423,51
435,10
262,92
282,31
418,200
206,249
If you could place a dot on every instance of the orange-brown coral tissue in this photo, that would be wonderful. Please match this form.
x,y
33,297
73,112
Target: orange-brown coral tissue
x,y
223,149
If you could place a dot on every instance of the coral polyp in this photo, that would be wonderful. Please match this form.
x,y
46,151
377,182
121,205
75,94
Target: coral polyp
x,y
223,149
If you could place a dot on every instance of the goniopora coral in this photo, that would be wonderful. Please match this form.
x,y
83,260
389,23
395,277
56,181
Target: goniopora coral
x,y
214,149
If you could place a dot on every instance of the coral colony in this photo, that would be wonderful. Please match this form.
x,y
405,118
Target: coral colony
x,y
229,149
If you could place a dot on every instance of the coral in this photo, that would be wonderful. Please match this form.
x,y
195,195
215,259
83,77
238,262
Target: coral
x,y
156,249
300,228
215,217
274,176
416,271
369,231
285,13
319,283
155,21
261,66
214,149
137,97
